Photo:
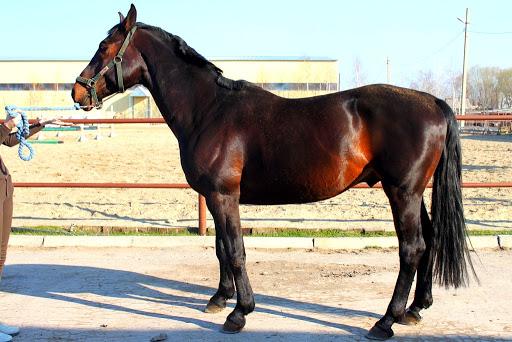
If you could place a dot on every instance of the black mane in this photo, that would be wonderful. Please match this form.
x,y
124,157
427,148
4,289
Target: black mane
x,y
193,57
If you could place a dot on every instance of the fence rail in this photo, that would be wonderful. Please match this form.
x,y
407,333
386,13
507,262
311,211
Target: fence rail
x,y
201,199
186,186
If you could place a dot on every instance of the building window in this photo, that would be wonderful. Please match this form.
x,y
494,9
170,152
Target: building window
x,y
267,86
35,86
299,86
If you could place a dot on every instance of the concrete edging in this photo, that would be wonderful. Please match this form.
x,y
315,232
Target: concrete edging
x,y
26,240
355,242
478,242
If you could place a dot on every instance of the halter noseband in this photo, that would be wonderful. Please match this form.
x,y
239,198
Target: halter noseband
x,y
90,83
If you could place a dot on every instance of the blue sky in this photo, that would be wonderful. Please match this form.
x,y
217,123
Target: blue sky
x,y
415,35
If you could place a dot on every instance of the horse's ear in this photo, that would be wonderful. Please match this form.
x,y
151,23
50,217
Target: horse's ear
x,y
131,19
121,17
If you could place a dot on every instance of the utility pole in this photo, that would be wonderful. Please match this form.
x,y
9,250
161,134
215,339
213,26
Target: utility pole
x,y
388,69
464,64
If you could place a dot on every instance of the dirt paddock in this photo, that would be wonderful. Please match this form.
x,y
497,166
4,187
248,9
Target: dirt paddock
x,y
144,153
80,294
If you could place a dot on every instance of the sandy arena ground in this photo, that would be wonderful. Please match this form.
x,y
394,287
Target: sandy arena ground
x,y
146,153
115,294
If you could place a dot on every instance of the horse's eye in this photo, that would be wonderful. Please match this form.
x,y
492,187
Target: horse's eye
x,y
103,47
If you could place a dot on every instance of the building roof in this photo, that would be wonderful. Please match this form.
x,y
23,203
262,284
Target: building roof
x,y
212,58
139,91
273,58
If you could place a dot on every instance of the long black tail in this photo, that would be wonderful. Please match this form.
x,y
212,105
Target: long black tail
x,y
450,250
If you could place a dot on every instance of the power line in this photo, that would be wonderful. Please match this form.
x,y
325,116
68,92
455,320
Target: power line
x,y
429,57
498,33
450,42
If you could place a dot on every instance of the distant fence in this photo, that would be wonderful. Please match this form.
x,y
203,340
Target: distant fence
x,y
201,199
490,125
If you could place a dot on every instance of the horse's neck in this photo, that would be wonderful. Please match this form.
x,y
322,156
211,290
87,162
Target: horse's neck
x,y
183,95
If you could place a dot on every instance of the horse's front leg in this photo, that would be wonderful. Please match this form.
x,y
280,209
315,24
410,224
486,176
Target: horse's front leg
x,y
225,212
226,288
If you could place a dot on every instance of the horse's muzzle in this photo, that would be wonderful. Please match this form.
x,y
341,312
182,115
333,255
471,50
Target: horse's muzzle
x,y
81,95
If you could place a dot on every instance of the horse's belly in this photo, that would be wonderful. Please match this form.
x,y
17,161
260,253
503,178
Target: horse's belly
x,y
295,187
282,196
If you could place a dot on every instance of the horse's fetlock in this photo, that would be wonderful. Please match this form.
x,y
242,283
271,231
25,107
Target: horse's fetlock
x,y
427,302
229,292
249,307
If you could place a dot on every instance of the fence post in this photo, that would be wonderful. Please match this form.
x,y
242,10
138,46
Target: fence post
x,y
202,215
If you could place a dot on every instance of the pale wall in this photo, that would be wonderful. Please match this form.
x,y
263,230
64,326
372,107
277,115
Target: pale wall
x,y
257,71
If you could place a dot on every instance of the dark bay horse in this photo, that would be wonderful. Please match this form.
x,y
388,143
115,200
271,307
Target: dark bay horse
x,y
240,144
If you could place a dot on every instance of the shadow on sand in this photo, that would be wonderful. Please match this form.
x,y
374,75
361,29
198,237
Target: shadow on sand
x,y
66,283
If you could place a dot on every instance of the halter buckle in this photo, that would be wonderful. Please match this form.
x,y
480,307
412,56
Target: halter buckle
x,y
91,83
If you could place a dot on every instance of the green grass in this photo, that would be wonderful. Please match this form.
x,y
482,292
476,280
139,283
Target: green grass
x,y
311,233
482,232
320,233
95,231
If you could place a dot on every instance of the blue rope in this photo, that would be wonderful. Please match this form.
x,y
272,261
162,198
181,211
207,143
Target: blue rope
x,y
22,133
24,127
75,106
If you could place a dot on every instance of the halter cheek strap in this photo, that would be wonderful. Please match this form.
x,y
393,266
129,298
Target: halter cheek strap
x,y
90,83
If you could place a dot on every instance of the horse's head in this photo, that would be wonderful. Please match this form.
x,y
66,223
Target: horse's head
x,y
115,66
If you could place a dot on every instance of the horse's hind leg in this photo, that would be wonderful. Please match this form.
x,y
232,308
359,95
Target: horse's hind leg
x,y
226,288
406,208
423,294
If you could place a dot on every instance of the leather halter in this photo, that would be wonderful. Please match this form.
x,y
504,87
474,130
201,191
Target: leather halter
x,y
90,83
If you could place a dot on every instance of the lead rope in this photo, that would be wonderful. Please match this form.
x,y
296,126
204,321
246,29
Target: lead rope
x,y
22,133
24,126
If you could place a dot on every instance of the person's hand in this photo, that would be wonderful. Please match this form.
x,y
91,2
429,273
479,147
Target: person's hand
x,y
54,121
11,122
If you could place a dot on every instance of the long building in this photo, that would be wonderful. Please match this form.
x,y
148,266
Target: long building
x,y
49,82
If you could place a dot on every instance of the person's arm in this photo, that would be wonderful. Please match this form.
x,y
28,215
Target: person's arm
x,y
6,128
10,139
4,133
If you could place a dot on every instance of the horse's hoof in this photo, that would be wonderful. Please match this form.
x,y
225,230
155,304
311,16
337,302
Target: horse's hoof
x,y
232,327
379,333
212,307
410,318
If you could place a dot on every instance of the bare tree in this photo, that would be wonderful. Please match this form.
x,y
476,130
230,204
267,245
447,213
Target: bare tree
x,y
488,87
426,81
451,85
359,76
483,87
505,88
